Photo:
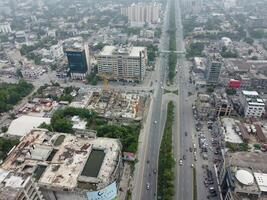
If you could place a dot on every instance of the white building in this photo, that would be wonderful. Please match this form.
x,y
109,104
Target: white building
x,y
18,186
141,13
56,51
5,28
253,104
123,62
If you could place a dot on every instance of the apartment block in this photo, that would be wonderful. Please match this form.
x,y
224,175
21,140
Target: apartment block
x,y
141,13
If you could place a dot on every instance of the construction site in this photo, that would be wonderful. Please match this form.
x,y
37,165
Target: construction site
x,y
113,104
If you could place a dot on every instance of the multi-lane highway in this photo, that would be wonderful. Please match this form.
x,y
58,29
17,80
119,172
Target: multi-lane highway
x,y
184,177
145,184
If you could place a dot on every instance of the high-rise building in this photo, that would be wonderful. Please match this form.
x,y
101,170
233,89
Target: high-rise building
x,y
141,13
18,186
214,64
78,61
191,6
123,62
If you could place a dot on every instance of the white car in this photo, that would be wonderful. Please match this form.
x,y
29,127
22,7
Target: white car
x,y
155,122
147,186
161,87
180,162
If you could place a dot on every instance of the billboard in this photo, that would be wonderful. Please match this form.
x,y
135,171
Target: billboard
x,y
108,193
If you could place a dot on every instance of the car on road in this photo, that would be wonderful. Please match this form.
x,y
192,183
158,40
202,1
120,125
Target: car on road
x,y
185,133
184,157
147,186
155,122
161,87
154,171
180,162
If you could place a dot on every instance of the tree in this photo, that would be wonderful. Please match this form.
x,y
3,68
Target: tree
x,y
195,49
230,91
249,40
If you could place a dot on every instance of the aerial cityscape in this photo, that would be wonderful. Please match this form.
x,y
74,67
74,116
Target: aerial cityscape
x,y
133,100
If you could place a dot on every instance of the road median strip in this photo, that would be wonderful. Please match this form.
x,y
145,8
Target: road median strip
x,y
166,160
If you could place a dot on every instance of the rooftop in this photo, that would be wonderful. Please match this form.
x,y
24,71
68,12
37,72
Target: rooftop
x,y
58,159
23,125
11,184
116,50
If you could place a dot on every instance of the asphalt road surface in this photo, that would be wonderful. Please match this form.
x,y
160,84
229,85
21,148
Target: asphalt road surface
x,y
145,184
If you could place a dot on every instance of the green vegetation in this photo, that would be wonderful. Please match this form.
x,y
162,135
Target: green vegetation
x,y
254,58
172,43
257,34
210,89
230,91
225,53
257,146
11,94
166,161
189,25
131,31
92,79
157,32
194,184
151,52
4,129
233,147
5,146
195,49
128,134
213,24
66,96
249,40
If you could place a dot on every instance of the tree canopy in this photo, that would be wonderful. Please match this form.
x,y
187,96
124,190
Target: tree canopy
x,y
11,94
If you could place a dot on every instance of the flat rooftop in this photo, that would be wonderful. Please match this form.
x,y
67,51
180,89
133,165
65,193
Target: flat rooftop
x,y
58,159
24,124
115,50
11,184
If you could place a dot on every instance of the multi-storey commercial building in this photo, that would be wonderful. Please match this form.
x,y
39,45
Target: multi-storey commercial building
x,y
68,167
141,13
18,186
78,61
123,62
252,103
214,64
5,28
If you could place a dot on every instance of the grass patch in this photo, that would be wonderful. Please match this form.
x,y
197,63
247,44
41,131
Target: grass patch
x,y
166,160
194,184
234,147
167,91
175,92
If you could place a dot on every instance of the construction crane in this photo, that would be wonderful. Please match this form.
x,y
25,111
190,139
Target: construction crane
x,y
105,78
